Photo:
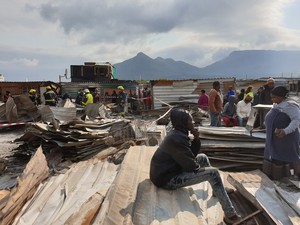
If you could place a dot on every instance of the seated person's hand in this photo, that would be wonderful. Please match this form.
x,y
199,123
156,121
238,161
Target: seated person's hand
x,y
195,133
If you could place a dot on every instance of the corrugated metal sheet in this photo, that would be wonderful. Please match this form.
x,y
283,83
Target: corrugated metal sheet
x,y
133,199
165,92
281,205
63,195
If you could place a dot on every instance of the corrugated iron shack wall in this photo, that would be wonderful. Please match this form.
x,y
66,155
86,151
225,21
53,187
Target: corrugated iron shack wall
x,y
166,91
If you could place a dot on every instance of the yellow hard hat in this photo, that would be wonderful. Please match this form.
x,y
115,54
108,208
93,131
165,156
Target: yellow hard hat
x,y
48,88
86,90
120,88
32,91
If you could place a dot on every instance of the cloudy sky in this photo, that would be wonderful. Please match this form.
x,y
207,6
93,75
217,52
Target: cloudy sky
x,y
41,38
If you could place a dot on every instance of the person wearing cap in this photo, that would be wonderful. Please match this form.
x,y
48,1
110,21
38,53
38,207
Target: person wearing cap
x,y
88,97
33,96
50,97
282,130
122,99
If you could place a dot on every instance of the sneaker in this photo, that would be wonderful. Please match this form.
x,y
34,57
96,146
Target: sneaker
x,y
231,220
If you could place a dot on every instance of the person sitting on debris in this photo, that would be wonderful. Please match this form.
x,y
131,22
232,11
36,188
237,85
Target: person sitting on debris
x,y
88,97
243,110
229,112
282,133
6,96
177,163
50,97
33,96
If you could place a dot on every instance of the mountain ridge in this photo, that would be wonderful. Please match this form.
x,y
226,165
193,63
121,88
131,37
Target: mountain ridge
x,y
239,64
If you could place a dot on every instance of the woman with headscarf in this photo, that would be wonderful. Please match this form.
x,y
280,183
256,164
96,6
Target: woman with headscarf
x,y
177,163
282,132
229,112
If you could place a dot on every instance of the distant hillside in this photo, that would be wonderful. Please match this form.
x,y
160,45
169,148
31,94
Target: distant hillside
x,y
240,64
143,67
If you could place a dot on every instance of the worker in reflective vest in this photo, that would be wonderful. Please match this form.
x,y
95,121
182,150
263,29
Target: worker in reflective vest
x,y
88,97
50,97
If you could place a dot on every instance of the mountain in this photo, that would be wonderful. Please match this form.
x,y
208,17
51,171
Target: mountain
x,y
239,64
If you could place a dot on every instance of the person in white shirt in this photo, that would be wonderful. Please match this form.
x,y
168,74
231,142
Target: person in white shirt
x,y
243,109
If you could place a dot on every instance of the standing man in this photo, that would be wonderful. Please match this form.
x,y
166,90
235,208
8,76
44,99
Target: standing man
x,y
33,96
122,99
50,97
265,98
215,105
88,97
203,101
265,95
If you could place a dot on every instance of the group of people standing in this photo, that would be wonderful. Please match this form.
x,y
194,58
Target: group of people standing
x,y
234,109
49,95
178,161
85,97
